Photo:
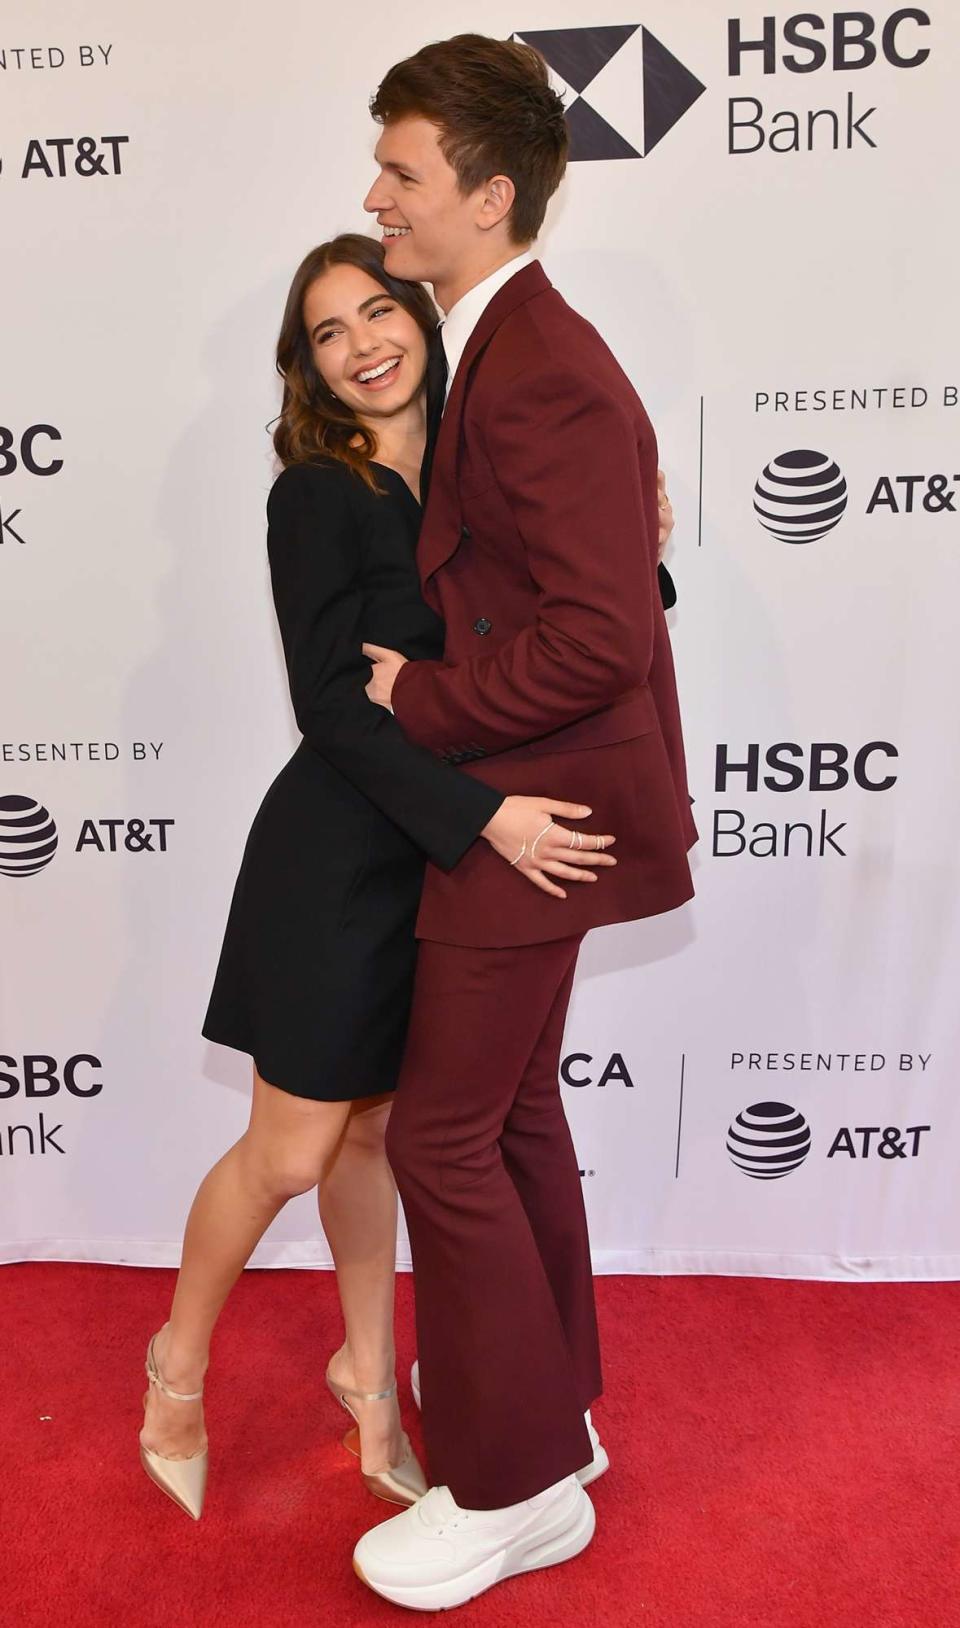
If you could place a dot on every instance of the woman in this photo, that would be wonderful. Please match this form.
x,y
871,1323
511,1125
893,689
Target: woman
x,y
316,969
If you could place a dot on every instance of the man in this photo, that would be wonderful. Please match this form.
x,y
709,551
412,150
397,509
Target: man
x,y
539,550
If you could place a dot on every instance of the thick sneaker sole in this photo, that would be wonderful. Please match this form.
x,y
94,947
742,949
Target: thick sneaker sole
x,y
598,1466
568,1537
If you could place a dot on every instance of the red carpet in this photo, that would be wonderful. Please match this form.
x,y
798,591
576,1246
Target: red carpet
x,y
783,1454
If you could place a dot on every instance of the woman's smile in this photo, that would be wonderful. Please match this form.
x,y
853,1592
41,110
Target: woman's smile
x,y
379,375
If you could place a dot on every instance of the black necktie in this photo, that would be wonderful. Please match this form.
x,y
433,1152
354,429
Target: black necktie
x,y
436,396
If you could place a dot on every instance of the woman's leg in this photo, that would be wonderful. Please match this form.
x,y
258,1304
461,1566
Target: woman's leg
x,y
283,1151
358,1207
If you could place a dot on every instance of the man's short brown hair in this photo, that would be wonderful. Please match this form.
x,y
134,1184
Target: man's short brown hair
x,y
497,115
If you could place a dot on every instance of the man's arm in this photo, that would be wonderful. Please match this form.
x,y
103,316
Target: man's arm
x,y
565,456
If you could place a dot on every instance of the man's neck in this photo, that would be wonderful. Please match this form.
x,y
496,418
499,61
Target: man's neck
x,y
448,293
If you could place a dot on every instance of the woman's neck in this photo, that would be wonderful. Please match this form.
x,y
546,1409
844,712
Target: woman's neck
x,y
401,437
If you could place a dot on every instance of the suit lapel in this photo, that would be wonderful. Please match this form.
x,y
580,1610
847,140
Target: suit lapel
x,y
440,530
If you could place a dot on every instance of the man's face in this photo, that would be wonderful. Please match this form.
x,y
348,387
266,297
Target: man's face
x,y
441,229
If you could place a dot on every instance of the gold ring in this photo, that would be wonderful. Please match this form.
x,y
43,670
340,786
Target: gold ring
x,y
533,850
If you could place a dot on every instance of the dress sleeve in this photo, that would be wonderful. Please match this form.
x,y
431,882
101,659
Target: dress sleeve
x,y
313,543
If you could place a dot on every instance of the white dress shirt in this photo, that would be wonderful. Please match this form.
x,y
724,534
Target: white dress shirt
x,y
462,318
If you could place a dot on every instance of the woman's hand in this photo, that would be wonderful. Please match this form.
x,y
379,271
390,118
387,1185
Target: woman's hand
x,y
524,831
665,508
386,666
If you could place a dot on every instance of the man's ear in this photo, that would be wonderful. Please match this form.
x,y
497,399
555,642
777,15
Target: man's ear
x,y
497,202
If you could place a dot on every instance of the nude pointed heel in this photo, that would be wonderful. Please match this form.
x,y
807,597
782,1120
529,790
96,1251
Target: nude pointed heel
x,y
404,1483
182,1479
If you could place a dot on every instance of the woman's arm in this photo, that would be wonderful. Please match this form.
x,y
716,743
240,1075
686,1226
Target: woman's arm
x,y
313,546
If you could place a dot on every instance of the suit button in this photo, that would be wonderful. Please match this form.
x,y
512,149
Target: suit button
x,y
466,533
481,625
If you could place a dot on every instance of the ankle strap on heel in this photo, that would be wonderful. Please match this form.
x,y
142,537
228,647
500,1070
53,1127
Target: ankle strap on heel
x,y
368,1396
154,1377
341,1391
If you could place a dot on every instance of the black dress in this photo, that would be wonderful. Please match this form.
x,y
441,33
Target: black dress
x,y
316,970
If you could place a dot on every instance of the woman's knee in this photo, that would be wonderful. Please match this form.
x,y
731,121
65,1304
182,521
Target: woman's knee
x,y
367,1125
290,1140
278,1170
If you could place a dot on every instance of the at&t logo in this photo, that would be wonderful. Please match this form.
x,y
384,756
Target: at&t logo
x,y
29,840
61,156
28,836
772,1139
768,1140
800,496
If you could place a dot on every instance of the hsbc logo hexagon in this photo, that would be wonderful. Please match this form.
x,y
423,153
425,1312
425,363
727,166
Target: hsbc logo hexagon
x,y
638,90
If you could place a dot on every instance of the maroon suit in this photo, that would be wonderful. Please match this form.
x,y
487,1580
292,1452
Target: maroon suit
x,y
539,550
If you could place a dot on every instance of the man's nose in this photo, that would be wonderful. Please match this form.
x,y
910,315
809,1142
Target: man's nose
x,y
376,198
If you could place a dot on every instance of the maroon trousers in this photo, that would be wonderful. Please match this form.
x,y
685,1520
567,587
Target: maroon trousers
x,y
482,1153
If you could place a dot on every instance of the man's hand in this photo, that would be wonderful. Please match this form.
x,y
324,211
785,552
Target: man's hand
x,y
666,513
524,832
386,666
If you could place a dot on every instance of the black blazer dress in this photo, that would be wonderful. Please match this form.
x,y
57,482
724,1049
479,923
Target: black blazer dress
x,y
316,971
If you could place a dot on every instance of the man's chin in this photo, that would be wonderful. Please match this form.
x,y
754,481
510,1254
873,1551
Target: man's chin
x,y
401,260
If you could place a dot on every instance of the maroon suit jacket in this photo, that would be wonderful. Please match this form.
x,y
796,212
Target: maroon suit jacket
x,y
539,550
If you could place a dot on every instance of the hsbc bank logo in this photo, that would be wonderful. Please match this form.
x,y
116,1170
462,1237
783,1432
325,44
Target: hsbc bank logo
x,y
623,89
611,65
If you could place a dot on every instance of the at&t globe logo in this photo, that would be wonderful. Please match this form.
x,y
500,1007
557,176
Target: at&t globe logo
x,y
28,836
769,1139
800,496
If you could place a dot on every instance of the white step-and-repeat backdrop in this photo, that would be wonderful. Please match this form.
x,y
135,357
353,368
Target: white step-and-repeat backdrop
x,y
759,218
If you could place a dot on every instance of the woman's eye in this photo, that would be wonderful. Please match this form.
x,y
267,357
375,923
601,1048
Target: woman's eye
x,y
381,310
328,333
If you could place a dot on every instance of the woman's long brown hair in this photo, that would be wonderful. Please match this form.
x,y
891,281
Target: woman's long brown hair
x,y
313,423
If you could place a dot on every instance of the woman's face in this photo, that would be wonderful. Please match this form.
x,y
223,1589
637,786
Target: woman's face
x,y
366,347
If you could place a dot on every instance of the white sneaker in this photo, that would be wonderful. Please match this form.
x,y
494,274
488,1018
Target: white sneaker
x,y
436,1555
600,1462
